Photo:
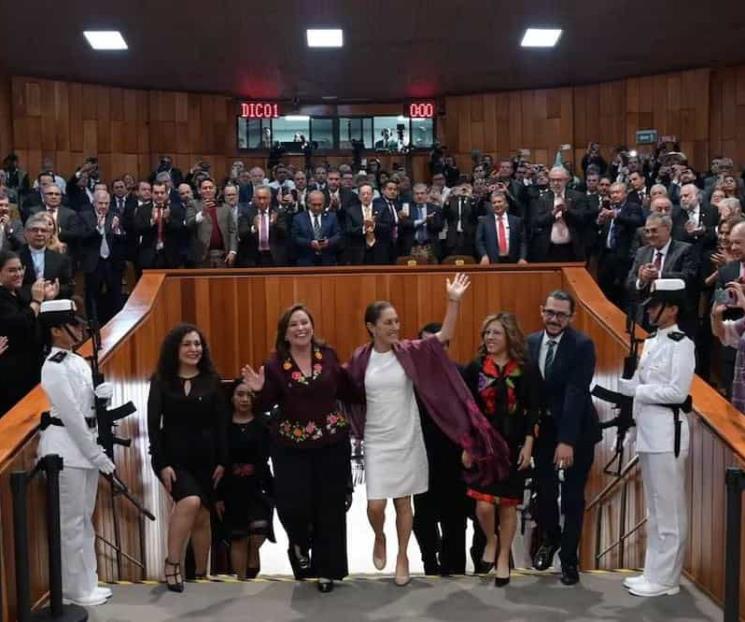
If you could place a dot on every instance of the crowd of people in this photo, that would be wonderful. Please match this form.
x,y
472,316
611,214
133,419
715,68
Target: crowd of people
x,y
632,220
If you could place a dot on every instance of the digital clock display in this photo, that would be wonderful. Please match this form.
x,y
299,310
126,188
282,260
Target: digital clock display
x,y
420,109
260,110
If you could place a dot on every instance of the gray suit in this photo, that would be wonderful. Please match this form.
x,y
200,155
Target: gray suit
x,y
203,230
12,236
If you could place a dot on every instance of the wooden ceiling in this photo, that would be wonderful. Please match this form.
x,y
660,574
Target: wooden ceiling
x,y
393,49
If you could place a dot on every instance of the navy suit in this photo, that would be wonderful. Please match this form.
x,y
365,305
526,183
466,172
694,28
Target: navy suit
x,y
487,242
303,235
567,416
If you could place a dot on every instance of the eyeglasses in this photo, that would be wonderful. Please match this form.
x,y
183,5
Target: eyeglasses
x,y
559,315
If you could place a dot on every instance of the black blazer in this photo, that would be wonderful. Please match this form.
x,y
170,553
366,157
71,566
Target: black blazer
x,y
487,241
248,237
542,220
681,263
172,236
468,217
70,228
565,394
56,266
90,249
630,217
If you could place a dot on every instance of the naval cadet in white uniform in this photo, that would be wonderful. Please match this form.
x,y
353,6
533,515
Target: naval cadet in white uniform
x,y
660,388
70,431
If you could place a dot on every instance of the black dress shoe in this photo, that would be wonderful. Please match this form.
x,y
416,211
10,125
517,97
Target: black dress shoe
x,y
483,567
569,574
325,586
544,557
300,572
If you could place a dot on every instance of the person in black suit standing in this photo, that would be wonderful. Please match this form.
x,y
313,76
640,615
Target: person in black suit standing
x,y
366,230
316,233
388,208
160,226
166,166
461,218
557,221
70,228
11,229
663,257
565,448
617,222
262,232
638,193
41,262
102,259
500,237
119,197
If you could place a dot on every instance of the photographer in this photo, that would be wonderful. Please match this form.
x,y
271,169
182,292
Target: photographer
x,y
593,157
166,166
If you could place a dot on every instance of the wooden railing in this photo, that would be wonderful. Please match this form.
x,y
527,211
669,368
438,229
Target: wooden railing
x,y
238,311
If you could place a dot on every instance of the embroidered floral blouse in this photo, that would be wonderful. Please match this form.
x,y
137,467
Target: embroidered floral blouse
x,y
307,415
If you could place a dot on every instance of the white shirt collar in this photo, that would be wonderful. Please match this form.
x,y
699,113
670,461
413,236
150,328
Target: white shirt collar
x,y
664,250
36,251
547,338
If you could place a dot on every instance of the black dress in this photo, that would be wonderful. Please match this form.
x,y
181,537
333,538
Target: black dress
x,y
188,433
20,365
246,488
509,399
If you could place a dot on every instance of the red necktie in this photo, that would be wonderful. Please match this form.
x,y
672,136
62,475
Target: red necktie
x,y
501,236
658,261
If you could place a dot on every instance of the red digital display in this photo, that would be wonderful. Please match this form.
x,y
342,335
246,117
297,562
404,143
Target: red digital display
x,y
259,110
426,109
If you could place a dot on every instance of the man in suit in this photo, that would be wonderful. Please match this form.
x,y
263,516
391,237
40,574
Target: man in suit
x,y
119,197
142,194
70,228
419,230
262,231
35,197
557,222
213,228
386,143
366,230
160,226
166,166
256,178
564,450
663,257
513,189
593,200
316,233
42,262
338,199
11,229
617,224
102,259
638,193
388,207
500,237
460,216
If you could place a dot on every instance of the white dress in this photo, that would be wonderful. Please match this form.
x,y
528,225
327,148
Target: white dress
x,y
395,455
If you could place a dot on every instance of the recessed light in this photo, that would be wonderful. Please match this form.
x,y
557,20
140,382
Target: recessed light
x,y
105,39
297,117
541,37
325,38
328,98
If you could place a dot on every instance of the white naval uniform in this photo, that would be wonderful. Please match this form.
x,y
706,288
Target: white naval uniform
x,y
66,379
664,376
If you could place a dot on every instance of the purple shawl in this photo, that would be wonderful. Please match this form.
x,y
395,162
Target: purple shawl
x,y
447,400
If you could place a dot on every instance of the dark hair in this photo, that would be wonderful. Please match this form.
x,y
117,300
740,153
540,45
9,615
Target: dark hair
x,y
167,369
373,312
230,388
280,342
209,179
517,346
6,256
432,328
560,294
157,183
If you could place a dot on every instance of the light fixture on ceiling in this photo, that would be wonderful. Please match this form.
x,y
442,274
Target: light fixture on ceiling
x,y
105,39
297,117
541,37
325,37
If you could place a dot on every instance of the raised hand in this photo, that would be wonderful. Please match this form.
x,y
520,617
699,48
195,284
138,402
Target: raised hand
x,y
255,381
458,286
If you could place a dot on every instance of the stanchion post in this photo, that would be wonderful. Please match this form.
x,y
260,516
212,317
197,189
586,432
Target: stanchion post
x,y
735,482
52,465
19,488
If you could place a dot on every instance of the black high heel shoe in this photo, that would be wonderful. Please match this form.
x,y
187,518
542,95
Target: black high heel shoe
x,y
178,583
502,581
483,567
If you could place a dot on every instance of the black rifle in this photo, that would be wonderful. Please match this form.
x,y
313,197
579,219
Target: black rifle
x,y
622,404
107,419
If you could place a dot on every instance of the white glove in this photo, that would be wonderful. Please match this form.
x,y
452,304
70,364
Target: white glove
x,y
200,216
628,387
105,391
103,463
